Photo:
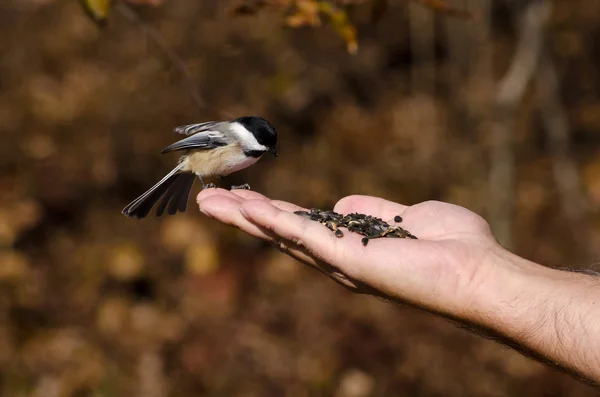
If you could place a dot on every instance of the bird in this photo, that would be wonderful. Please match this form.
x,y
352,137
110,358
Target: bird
x,y
211,149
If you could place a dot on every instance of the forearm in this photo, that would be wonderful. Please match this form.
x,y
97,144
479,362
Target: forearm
x,y
552,314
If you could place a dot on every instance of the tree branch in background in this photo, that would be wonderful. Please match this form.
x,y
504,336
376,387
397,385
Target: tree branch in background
x,y
510,93
566,177
300,13
164,46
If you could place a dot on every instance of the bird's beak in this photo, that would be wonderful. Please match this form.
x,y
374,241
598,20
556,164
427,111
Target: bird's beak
x,y
274,151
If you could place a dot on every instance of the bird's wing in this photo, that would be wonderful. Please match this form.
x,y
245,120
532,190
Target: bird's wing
x,y
191,129
204,140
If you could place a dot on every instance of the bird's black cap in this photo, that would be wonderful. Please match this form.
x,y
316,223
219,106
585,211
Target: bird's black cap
x,y
263,131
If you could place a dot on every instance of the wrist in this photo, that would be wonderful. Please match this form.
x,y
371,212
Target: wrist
x,y
551,313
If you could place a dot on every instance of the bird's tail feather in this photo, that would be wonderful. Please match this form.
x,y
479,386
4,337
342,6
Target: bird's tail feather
x,y
176,197
174,189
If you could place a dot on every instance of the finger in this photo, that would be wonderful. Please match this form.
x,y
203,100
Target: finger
x,y
369,205
210,192
227,210
316,239
224,208
249,194
301,255
252,195
285,206
289,248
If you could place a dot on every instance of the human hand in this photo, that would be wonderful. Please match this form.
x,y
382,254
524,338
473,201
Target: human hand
x,y
440,271
455,268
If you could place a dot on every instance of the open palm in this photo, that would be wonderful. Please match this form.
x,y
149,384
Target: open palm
x,y
439,271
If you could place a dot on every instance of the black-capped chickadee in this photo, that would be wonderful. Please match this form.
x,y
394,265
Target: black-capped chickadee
x,y
214,148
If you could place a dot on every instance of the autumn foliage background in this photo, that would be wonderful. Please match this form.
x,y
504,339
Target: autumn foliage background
x,y
95,304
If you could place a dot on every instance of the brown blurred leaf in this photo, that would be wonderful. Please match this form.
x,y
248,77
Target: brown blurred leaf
x,y
97,10
112,315
339,20
307,13
202,259
17,217
280,269
39,146
14,265
297,20
126,262
178,233
355,383
7,229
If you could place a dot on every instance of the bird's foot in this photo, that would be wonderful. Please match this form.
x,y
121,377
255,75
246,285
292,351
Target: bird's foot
x,y
245,186
209,185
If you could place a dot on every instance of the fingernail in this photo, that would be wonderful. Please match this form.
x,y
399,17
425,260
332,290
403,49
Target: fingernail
x,y
244,213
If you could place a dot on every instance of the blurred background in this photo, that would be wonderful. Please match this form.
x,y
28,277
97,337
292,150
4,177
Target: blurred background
x,y
489,104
